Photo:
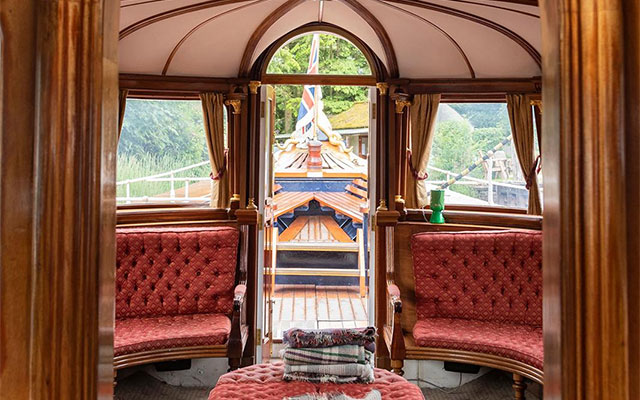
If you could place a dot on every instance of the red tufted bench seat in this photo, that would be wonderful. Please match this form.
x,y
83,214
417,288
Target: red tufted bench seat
x,y
264,382
478,300
178,295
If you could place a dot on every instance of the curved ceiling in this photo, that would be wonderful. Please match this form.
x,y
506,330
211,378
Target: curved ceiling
x,y
419,39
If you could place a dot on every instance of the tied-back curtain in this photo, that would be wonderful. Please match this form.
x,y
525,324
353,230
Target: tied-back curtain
x,y
424,109
123,106
521,119
213,112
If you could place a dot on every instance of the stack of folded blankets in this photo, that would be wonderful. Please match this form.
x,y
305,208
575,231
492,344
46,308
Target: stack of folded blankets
x,y
329,355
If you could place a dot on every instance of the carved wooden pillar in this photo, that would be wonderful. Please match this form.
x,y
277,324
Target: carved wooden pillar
x,y
591,190
57,213
248,220
254,139
385,221
402,134
234,102
381,142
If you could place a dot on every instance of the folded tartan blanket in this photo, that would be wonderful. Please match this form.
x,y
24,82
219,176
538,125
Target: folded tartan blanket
x,y
372,395
298,338
326,355
335,373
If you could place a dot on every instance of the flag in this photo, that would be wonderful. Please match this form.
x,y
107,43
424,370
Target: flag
x,y
306,112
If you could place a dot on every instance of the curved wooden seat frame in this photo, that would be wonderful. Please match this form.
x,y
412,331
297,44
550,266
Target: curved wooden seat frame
x,y
239,333
401,307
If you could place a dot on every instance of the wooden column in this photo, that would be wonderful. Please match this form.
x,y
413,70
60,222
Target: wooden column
x,y
248,221
385,221
591,184
58,241
402,135
16,194
381,142
236,157
631,14
254,123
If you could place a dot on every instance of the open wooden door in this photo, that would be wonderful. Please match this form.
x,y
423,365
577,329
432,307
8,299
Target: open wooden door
x,y
269,230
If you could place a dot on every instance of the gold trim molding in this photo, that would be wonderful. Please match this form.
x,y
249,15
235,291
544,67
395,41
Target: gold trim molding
x,y
401,105
253,86
382,87
236,104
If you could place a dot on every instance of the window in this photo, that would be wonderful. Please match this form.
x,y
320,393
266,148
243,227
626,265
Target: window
x,y
474,159
162,153
337,56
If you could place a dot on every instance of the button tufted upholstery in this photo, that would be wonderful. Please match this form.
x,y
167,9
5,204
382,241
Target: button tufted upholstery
x,y
488,276
175,271
174,287
264,381
151,333
480,292
517,342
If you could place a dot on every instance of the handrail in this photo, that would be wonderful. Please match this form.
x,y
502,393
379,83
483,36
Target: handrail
x,y
168,176
145,178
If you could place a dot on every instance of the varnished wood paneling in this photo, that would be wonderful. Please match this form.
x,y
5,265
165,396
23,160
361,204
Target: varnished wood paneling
x,y
632,157
17,19
586,254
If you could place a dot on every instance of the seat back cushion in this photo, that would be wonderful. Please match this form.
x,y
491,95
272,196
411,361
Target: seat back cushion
x,y
175,271
490,276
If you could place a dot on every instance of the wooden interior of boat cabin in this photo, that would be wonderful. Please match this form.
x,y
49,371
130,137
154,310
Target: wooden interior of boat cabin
x,y
315,195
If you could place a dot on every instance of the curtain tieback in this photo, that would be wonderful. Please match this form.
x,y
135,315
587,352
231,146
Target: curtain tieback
x,y
535,170
416,174
223,169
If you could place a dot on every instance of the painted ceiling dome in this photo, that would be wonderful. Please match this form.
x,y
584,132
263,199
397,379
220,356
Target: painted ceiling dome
x,y
412,39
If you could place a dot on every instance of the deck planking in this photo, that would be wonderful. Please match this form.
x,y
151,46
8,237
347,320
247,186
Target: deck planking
x,y
317,307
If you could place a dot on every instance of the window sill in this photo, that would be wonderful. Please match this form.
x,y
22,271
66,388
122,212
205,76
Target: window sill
x,y
496,217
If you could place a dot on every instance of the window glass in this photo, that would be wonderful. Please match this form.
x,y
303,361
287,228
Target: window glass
x,y
337,57
473,157
162,153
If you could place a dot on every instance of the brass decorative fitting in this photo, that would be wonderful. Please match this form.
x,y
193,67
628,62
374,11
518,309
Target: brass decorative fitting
x,y
236,104
401,104
253,86
252,204
382,87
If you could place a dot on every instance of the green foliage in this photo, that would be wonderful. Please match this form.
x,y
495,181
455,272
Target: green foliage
x,y
485,115
173,129
145,164
337,56
452,149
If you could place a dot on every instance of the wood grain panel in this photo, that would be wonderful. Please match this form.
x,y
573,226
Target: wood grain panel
x,y
16,195
632,148
74,253
586,267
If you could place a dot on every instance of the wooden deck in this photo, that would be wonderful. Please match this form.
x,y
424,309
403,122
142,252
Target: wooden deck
x,y
318,307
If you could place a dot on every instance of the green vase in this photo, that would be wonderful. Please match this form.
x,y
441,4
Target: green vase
x,y
437,206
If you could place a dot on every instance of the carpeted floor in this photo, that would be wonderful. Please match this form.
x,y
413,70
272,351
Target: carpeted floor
x,y
495,385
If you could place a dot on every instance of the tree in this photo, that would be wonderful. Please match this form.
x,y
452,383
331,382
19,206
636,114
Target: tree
x,y
337,56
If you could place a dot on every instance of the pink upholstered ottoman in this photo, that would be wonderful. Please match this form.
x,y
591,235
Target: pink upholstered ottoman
x,y
264,382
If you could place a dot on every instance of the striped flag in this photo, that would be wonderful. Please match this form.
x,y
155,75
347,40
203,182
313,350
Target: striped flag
x,y
306,112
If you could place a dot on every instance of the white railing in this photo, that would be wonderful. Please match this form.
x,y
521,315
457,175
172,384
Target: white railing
x,y
471,181
165,177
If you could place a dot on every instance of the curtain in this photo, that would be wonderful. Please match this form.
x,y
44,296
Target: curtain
x,y
213,112
521,119
123,105
424,109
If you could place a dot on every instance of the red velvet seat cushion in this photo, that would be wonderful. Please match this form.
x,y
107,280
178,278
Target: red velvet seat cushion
x,y
264,382
134,335
488,276
175,271
517,342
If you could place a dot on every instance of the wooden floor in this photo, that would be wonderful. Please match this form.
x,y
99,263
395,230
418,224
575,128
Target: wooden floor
x,y
311,307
